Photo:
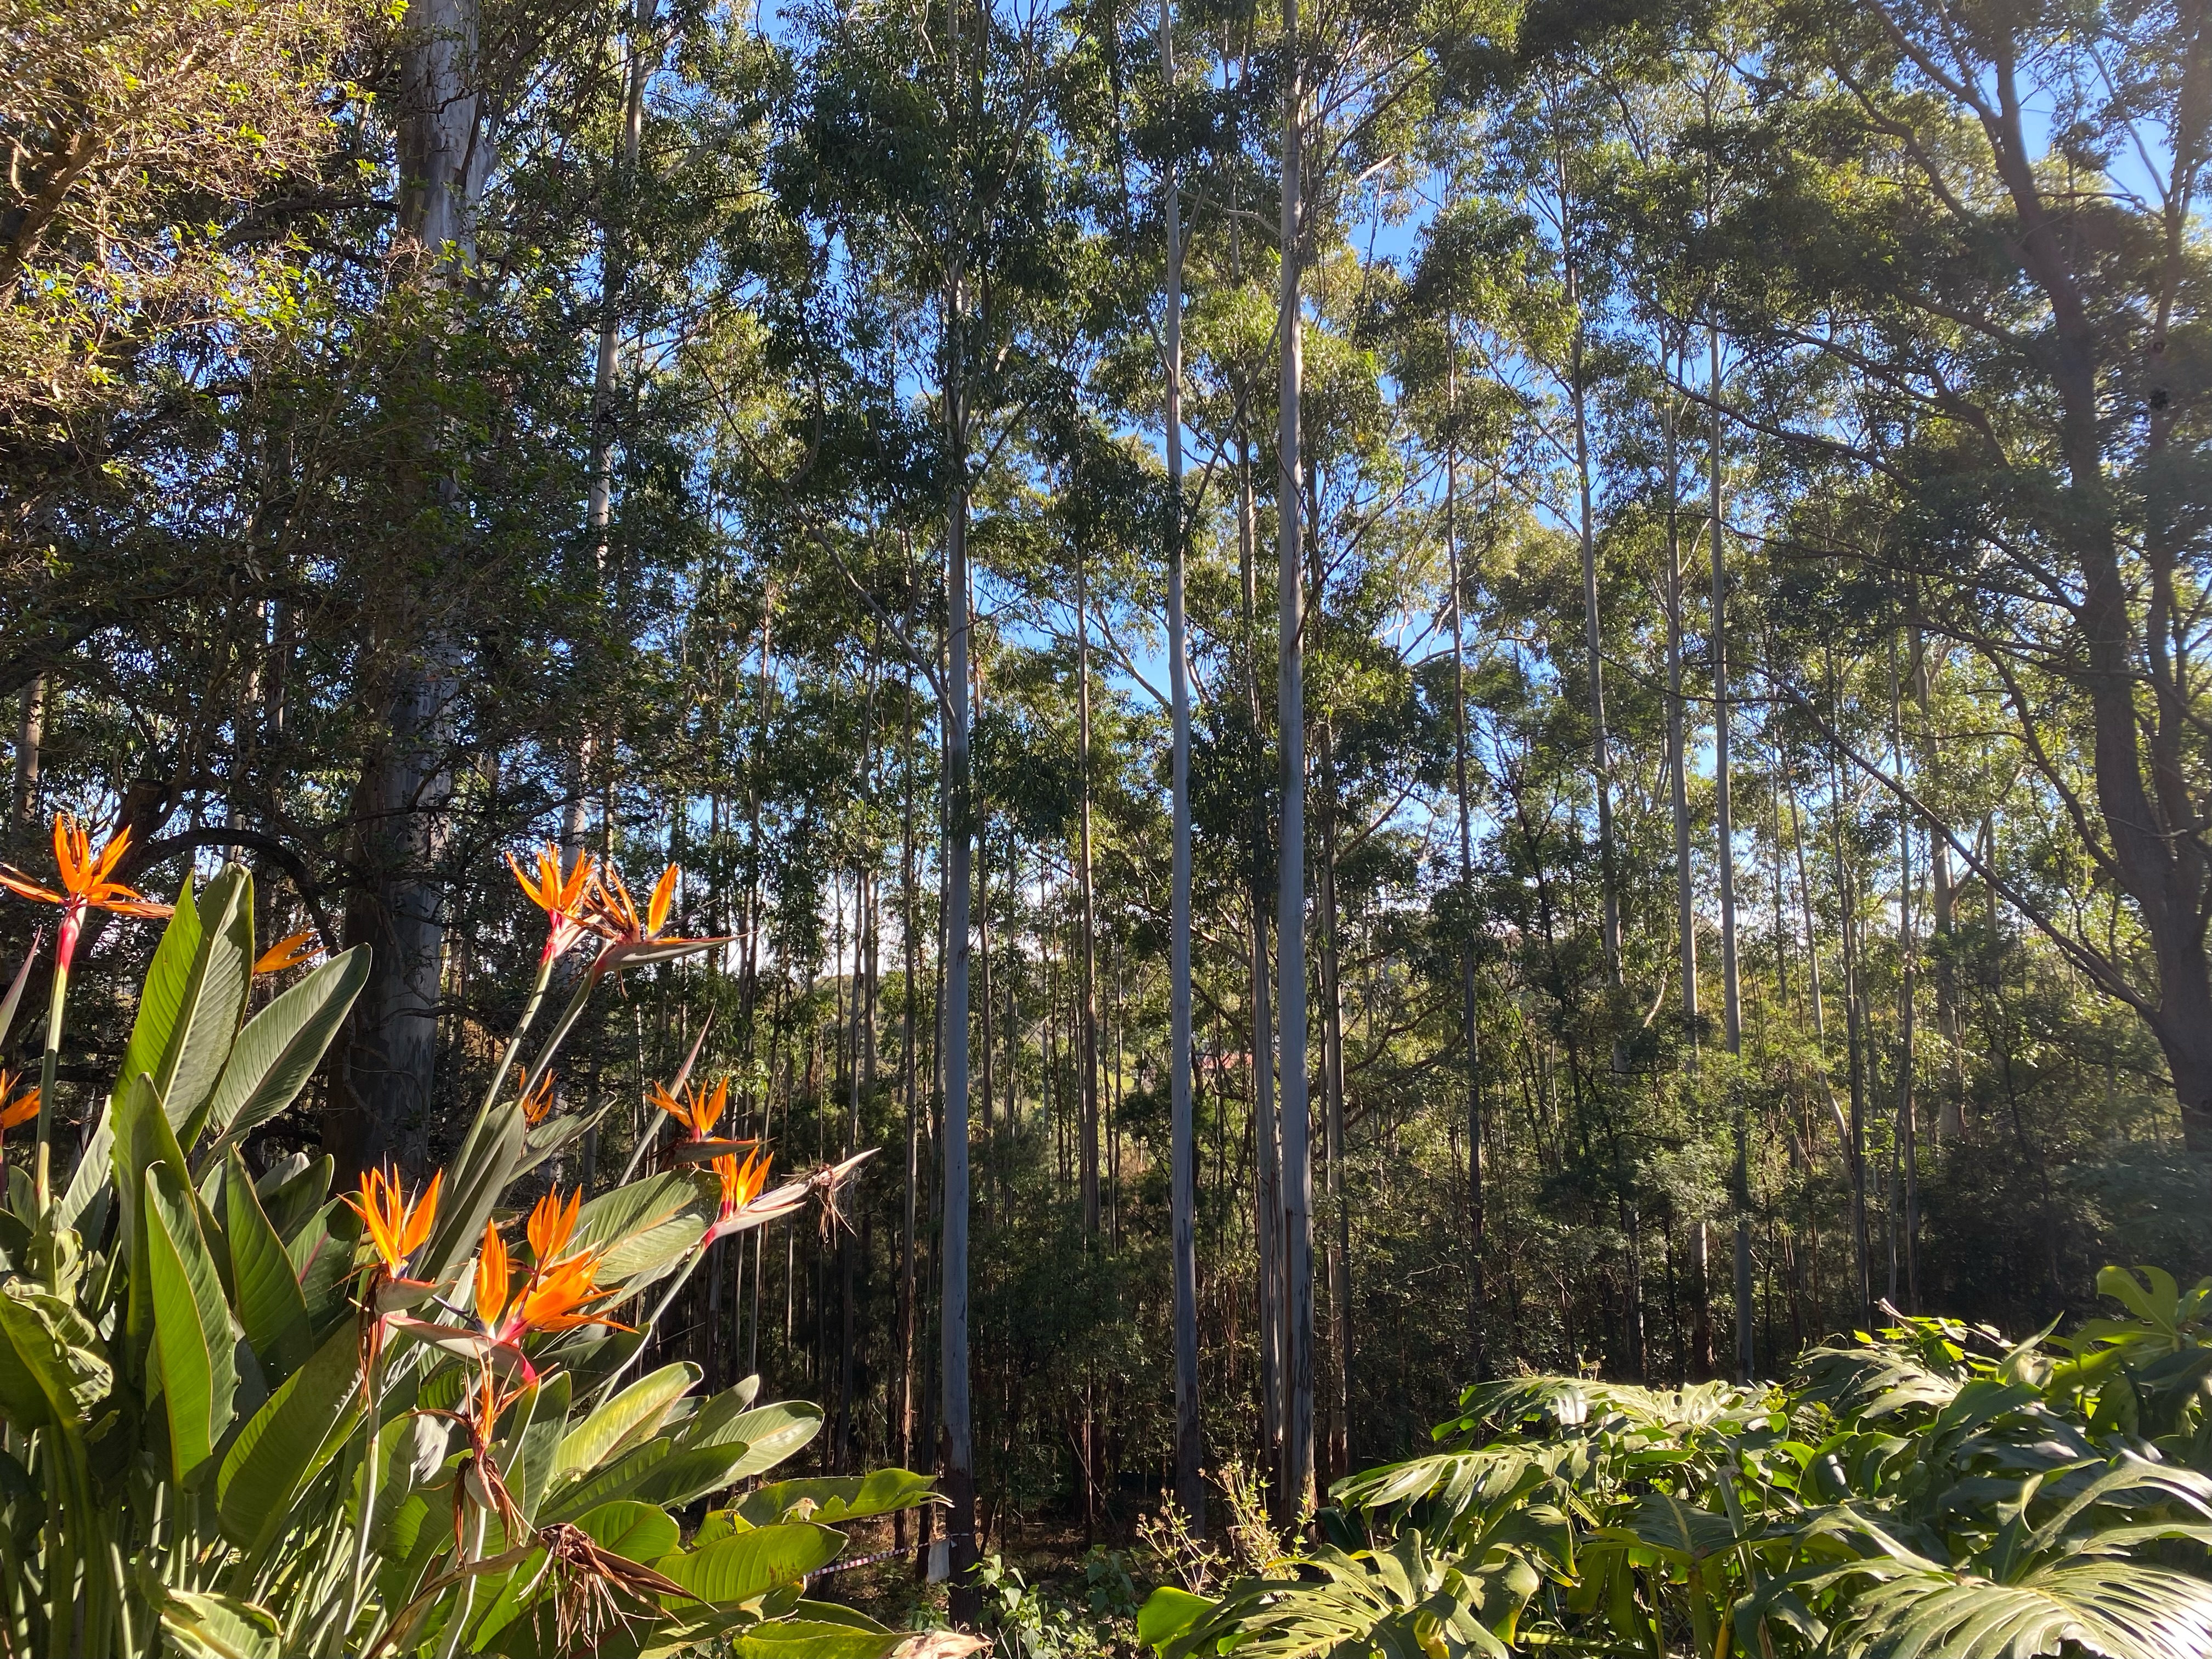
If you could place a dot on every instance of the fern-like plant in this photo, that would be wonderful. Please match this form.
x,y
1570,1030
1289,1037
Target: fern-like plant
x,y
1930,1492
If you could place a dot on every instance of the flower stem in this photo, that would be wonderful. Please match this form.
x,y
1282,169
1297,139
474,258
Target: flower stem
x,y
48,1064
368,1498
452,1645
514,1043
584,983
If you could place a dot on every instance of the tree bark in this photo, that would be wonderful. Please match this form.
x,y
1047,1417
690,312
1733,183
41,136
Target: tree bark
x,y
1724,829
1290,877
1087,989
1477,1302
1182,1174
30,731
384,1072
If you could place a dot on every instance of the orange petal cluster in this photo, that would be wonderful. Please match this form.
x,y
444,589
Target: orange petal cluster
x,y
560,1291
551,1223
397,1226
287,952
538,1101
614,913
19,1108
698,1110
741,1185
566,900
88,883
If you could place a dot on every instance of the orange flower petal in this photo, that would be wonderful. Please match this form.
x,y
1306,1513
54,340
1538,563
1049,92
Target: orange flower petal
x,y
664,895
492,1271
287,952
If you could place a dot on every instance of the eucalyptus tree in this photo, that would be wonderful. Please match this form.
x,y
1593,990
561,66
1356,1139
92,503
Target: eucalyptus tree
x,y
2000,302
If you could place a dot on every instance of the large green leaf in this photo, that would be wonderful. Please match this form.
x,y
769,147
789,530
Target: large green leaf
x,y
627,1419
281,1046
83,1203
661,1471
604,1485
163,990
645,1227
295,1193
804,1637
285,1444
208,1007
322,1253
270,1305
634,1531
192,1337
750,1564
1167,1613
52,1370
770,1433
835,1499
201,1626
142,1139
2119,1609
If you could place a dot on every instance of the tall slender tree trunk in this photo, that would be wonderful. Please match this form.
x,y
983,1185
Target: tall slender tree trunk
x,y
384,1074
909,1081
1339,1249
30,731
1593,642
1183,1174
1724,829
1477,1302
1908,1136
1678,749
1854,1023
952,1313
1267,1150
1087,989
1290,877
614,267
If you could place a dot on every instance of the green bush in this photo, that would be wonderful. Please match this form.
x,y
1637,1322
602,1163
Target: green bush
x,y
1929,1492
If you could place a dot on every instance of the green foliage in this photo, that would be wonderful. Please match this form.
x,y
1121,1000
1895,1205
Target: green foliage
x,y
1930,1492
225,1434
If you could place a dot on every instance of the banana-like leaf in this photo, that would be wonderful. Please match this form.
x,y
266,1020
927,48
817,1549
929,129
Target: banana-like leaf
x,y
201,1625
634,1531
53,1369
836,1498
770,1433
645,1227
208,1007
749,1565
270,1304
626,1420
474,1180
15,997
192,1337
285,1444
799,1636
280,1047
295,1193
536,1448
321,1253
163,990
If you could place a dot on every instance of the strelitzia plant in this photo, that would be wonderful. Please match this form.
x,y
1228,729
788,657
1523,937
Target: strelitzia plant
x,y
245,1415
